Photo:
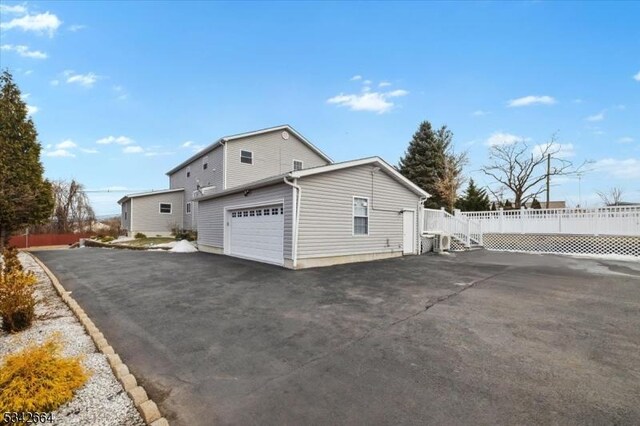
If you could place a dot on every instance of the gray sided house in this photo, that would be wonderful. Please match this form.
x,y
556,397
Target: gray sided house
x,y
236,160
152,213
337,213
229,162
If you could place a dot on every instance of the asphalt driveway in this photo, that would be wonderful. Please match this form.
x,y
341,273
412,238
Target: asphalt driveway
x,y
472,338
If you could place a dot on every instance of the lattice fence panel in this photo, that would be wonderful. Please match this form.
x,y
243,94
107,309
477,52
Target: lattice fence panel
x,y
565,244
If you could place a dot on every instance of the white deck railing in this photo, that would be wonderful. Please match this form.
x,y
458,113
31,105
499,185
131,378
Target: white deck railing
x,y
597,221
464,229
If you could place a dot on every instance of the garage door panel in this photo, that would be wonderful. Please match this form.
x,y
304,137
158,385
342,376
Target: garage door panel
x,y
258,233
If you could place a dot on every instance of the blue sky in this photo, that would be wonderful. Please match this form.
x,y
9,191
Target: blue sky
x,y
123,91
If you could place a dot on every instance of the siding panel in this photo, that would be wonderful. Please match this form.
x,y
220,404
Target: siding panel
x,y
326,213
125,207
213,176
272,156
211,221
146,213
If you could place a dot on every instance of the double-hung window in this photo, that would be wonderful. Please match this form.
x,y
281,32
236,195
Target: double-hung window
x,y
205,162
360,216
246,157
165,208
188,208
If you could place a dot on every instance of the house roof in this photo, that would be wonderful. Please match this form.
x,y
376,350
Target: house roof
x,y
322,169
145,194
224,139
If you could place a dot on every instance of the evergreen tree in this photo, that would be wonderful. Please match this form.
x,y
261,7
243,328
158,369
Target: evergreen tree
x,y
474,200
424,162
25,197
535,204
508,205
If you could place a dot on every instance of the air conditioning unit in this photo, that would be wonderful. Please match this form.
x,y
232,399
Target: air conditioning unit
x,y
442,243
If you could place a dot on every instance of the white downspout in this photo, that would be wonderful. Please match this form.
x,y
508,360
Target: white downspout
x,y
296,219
420,222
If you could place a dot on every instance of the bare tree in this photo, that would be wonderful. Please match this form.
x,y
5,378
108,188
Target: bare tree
x,y
522,170
612,197
72,211
448,184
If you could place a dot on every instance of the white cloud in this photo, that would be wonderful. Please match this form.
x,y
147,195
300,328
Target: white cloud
x,y
480,113
121,92
157,153
59,153
397,93
531,100
89,150
28,72
625,139
66,144
119,140
86,80
32,109
24,51
368,101
356,78
384,84
18,9
55,82
596,117
192,146
502,138
75,28
561,150
134,149
623,169
637,76
42,23
367,82
577,101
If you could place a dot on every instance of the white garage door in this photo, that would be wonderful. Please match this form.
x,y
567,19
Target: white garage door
x,y
258,233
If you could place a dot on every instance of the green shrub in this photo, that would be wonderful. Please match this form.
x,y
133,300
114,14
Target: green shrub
x,y
17,303
39,379
140,235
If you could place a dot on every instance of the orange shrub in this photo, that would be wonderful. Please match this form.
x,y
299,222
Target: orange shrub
x,y
16,300
39,379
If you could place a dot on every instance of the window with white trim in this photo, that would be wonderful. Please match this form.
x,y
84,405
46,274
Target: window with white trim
x,y
188,171
205,162
188,208
246,157
297,165
165,208
360,216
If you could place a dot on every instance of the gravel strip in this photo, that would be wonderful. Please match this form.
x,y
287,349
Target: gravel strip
x,y
102,400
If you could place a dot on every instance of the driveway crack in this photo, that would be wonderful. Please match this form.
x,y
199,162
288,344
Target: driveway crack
x,y
346,345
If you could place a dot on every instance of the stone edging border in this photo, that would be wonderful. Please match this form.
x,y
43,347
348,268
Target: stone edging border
x,y
147,408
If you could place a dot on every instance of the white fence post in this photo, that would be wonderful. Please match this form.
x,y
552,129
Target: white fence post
x,y
501,216
522,219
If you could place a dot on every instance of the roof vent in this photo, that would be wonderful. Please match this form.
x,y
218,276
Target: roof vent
x,y
285,135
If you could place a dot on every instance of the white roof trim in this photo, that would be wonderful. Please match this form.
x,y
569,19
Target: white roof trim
x,y
353,163
283,127
144,194
224,139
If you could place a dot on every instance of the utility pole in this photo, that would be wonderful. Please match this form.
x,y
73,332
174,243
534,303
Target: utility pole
x,y
548,177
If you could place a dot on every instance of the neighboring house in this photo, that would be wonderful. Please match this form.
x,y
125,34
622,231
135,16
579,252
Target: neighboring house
x,y
272,196
152,213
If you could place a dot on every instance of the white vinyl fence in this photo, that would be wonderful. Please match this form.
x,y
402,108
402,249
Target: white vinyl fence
x,y
576,221
465,230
